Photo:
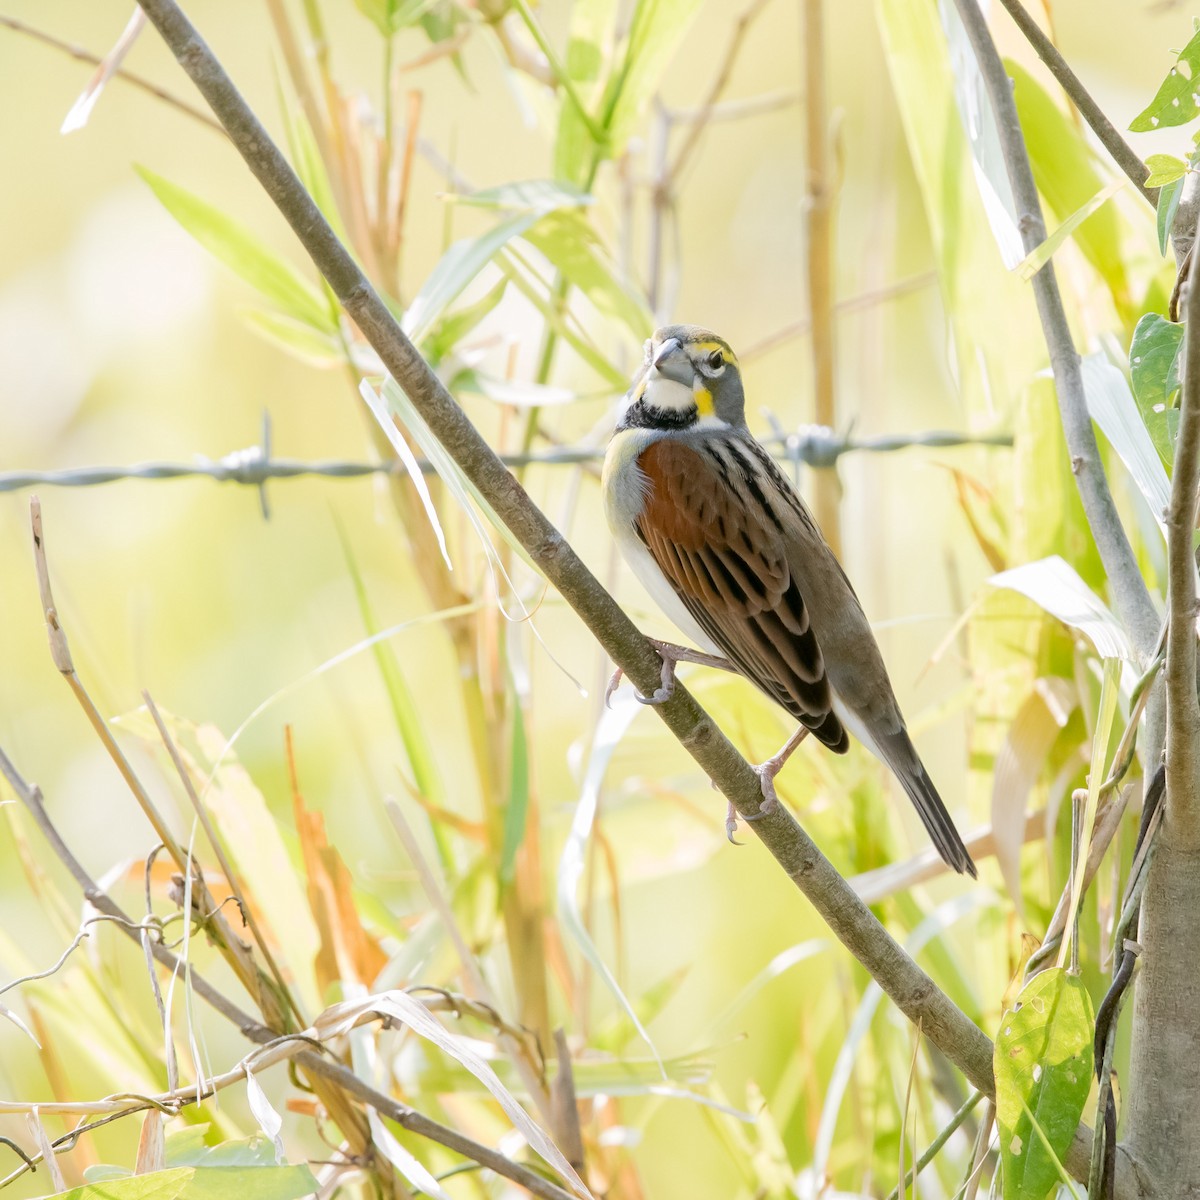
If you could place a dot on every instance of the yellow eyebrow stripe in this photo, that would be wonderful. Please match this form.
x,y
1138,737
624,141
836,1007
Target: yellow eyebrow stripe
x,y
709,347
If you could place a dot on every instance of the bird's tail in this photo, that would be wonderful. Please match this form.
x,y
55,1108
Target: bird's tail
x,y
901,755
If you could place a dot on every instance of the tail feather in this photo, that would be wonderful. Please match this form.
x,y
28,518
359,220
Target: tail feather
x,y
901,755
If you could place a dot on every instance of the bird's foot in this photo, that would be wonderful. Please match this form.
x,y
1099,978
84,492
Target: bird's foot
x,y
766,773
671,654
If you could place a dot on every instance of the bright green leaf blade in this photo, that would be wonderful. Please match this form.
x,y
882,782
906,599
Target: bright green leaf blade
x,y
1064,169
405,711
461,263
1098,769
570,243
243,253
1168,202
1043,1066
1174,103
390,16
1164,169
158,1185
455,326
656,31
588,54
1153,357
298,338
1041,254
251,1183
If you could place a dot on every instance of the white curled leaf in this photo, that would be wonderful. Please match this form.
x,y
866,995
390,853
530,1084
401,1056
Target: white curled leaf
x,y
379,411
401,1007
405,1162
1054,585
269,1121
1112,406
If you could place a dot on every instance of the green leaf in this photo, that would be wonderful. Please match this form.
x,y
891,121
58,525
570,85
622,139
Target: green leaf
x,y
569,242
1164,168
298,338
461,263
1168,202
1043,1066
588,53
517,810
251,1183
158,1185
1175,101
244,254
390,16
451,329
1064,168
405,710
1040,255
525,195
1154,370
656,31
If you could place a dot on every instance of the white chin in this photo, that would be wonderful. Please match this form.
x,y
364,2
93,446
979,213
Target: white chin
x,y
662,392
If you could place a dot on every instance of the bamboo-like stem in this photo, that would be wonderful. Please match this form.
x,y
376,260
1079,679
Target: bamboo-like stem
x,y
818,227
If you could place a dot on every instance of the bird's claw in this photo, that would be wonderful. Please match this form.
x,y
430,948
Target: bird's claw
x,y
731,822
614,682
661,694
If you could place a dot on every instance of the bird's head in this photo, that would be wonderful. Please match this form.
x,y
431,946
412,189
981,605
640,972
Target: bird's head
x,y
689,377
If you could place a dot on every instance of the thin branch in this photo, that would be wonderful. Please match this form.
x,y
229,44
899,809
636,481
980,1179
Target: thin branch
x,y
1130,596
254,466
1118,148
82,55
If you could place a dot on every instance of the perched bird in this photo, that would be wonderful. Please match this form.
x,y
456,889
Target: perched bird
x,y
730,552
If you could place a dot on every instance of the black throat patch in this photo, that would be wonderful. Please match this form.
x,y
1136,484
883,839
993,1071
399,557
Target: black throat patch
x,y
641,415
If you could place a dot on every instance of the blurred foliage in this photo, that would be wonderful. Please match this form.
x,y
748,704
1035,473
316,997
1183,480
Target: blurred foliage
x,y
455,814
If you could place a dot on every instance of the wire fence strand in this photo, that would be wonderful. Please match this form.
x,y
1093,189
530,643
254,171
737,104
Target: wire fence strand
x,y
254,466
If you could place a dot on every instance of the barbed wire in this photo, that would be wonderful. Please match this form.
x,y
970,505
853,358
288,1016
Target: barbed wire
x,y
255,466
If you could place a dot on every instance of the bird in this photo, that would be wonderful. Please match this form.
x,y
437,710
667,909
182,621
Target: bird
x,y
729,551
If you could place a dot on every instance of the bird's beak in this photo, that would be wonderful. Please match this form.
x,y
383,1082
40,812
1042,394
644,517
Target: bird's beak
x,y
672,362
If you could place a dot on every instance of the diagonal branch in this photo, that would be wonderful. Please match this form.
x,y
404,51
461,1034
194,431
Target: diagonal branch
x,y
1130,596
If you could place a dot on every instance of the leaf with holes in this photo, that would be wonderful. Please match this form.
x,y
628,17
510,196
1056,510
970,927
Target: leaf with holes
x,y
1175,101
1154,372
1043,1065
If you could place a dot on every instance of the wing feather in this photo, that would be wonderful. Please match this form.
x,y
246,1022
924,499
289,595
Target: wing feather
x,y
708,526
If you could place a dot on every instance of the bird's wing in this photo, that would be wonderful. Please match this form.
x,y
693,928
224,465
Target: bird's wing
x,y
721,547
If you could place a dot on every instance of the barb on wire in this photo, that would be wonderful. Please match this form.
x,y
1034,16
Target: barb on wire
x,y
811,445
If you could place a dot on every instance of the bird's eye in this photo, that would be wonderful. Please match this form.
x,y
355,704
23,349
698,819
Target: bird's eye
x,y
716,360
